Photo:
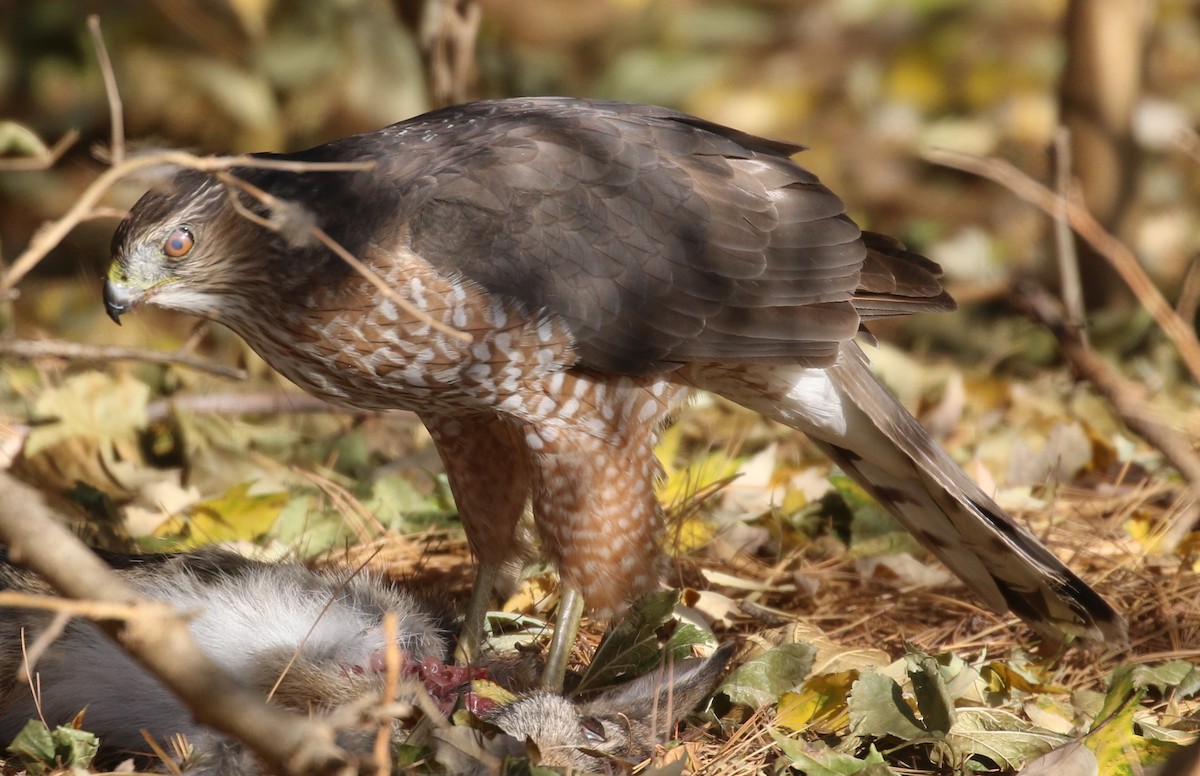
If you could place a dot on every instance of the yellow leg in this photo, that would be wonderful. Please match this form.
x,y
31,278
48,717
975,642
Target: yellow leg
x,y
566,628
470,639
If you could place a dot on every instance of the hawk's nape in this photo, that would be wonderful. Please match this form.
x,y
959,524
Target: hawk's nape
x,y
600,259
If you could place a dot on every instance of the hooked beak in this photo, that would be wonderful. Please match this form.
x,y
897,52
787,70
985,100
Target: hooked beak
x,y
119,299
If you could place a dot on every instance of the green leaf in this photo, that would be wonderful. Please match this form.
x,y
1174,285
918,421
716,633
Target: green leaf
x,y
684,638
394,500
40,749
929,688
633,646
34,747
1119,750
814,762
406,755
76,748
963,680
92,405
1000,736
1121,697
1176,675
873,531
878,709
763,679
508,632
18,140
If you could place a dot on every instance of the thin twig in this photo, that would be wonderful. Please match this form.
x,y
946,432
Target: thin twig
x,y
44,160
1122,259
116,116
1188,141
254,403
96,610
391,660
31,653
1125,396
1068,261
33,349
275,204
1188,303
52,232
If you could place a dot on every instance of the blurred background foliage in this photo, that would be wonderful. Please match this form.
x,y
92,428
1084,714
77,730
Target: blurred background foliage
x,y
864,83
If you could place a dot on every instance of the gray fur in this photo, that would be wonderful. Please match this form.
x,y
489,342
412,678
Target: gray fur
x,y
252,618
617,728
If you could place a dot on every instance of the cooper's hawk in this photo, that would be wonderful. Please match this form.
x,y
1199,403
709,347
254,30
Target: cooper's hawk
x,y
603,259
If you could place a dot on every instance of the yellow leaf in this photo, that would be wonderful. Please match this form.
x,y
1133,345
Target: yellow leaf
x,y
1142,530
91,405
233,516
486,688
1005,677
794,500
18,140
691,533
820,705
534,593
917,79
681,484
1113,738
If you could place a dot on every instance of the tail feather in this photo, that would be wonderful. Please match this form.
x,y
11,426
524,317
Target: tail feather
x,y
866,430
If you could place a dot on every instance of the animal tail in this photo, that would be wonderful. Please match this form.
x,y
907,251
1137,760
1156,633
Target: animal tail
x,y
873,438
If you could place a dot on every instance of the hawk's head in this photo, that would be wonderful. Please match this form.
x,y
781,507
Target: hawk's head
x,y
184,246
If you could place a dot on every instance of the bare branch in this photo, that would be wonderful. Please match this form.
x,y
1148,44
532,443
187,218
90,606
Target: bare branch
x,y
1125,396
447,34
116,116
33,349
42,161
52,232
1188,303
157,636
1086,226
1189,142
254,403
1068,259
277,205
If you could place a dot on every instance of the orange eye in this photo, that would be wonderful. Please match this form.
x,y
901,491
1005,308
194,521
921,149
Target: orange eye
x,y
179,242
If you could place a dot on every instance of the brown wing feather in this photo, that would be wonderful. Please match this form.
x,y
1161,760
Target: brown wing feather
x,y
658,238
896,281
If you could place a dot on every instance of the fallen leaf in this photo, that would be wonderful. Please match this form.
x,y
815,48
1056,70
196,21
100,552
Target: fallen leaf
x,y
231,517
878,709
820,704
1072,759
761,680
818,761
1000,736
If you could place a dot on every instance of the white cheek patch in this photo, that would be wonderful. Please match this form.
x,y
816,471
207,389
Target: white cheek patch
x,y
176,297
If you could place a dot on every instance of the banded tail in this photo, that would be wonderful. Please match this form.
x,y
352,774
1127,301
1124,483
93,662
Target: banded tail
x,y
869,433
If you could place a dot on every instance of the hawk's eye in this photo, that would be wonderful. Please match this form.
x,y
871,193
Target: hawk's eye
x,y
179,242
